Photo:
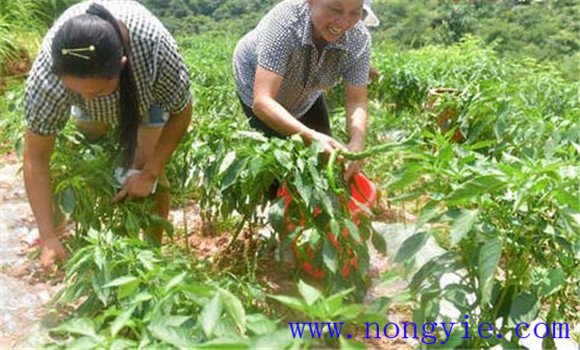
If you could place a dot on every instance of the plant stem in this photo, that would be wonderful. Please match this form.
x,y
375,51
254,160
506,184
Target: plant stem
x,y
376,150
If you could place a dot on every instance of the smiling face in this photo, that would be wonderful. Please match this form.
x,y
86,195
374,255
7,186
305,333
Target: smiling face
x,y
91,88
332,18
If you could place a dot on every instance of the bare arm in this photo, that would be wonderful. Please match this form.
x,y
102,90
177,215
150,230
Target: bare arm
x,y
266,87
140,185
356,115
356,120
37,152
171,135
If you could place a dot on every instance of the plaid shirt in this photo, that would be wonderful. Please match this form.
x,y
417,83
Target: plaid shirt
x,y
282,43
160,74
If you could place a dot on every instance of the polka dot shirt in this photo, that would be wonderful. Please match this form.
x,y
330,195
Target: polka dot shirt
x,y
282,43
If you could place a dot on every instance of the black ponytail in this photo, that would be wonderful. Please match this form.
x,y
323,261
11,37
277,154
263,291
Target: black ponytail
x,y
99,29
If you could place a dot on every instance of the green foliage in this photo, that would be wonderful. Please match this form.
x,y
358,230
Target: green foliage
x,y
84,184
22,24
314,306
489,105
241,168
12,120
202,16
502,198
133,296
544,30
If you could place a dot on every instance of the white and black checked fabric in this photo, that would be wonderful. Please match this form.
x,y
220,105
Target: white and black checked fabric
x,y
282,43
160,73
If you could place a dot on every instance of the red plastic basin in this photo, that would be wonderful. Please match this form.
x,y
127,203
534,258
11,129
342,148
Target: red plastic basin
x,y
363,194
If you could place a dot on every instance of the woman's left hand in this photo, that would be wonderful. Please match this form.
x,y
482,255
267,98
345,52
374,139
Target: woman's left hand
x,y
136,186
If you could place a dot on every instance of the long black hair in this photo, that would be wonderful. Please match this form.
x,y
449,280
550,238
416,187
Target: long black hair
x,y
92,45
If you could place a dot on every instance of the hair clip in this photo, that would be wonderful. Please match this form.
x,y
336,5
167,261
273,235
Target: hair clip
x,y
75,52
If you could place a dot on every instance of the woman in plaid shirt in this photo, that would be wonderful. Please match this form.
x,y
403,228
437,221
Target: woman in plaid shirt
x,y
110,63
298,50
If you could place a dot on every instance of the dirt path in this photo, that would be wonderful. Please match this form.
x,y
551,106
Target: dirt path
x,y
22,297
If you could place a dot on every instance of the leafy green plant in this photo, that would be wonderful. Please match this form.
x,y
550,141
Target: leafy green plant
x,y
502,202
84,185
314,306
133,296
242,173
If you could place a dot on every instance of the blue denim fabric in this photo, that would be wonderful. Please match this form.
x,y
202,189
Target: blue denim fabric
x,y
156,117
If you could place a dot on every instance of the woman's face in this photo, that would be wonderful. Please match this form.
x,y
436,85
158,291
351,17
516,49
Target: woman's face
x,y
90,88
331,18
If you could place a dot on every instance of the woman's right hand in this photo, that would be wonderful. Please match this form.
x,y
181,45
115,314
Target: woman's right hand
x,y
51,250
328,143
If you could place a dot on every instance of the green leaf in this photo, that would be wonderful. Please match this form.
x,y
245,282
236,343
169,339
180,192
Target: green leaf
x,y
304,190
233,173
428,213
524,308
326,203
67,201
227,162
127,289
474,188
553,282
424,272
336,301
463,224
122,344
223,344
411,246
175,281
177,337
407,176
335,228
329,256
147,258
120,281
309,293
260,324
100,258
276,215
84,343
81,326
283,158
567,198
122,320
489,257
379,242
234,308
291,302
352,230
211,314
141,297
281,339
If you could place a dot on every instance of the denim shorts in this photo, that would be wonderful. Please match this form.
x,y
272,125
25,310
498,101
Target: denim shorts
x,y
156,117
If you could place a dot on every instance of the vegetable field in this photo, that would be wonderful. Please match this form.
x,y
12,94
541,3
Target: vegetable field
x,y
474,153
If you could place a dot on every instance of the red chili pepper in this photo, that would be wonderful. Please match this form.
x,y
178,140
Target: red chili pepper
x,y
333,240
318,273
345,271
354,262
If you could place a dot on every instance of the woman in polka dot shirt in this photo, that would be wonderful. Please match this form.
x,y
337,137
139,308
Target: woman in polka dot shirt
x,y
298,50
